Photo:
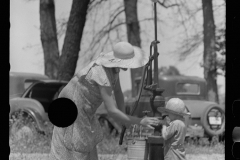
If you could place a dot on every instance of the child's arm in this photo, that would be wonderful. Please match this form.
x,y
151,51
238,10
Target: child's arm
x,y
168,132
164,134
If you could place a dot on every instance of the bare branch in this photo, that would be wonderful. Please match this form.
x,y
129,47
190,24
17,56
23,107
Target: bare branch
x,y
94,4
163,4
189,45
104,29
29,46
61,26
102,33
30,0
183,23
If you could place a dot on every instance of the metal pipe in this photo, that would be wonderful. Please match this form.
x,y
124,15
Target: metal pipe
x,y
155,47
150,68
136,103
155,19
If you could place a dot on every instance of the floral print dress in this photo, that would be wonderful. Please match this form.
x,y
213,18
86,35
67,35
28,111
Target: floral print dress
x,y
78,141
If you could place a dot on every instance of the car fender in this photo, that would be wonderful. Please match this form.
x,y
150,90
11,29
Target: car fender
x,y
32,107
197,107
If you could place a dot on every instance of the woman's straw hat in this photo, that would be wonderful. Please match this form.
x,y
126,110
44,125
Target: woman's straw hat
x,y
124,55
174,106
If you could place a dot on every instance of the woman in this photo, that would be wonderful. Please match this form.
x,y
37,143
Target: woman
x,y
88,89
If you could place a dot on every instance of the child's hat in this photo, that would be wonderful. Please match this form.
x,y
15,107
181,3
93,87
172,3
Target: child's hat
x,y
174,106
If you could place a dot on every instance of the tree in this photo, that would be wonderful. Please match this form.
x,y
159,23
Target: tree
x,y
61,66
49,38
220,51
71,46
212,44
133,35
171,71
209,54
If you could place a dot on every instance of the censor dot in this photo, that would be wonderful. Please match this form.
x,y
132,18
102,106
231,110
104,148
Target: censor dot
x,y
62,112
235,150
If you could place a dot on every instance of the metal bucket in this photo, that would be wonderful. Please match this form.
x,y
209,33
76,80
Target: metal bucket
x,y
136,149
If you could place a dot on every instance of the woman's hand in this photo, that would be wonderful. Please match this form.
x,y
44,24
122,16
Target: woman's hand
x,y
150,121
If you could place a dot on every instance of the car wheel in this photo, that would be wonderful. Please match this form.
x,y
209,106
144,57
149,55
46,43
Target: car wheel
x,y
213,120
21,123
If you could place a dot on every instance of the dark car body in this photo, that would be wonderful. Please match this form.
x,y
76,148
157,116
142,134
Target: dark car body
x,y
19,82
193,91
34,100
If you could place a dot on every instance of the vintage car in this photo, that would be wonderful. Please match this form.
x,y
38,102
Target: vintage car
x,y
35,100
19,82
207,115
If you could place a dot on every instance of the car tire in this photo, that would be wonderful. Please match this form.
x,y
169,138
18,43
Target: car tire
x,y
205,122
19,120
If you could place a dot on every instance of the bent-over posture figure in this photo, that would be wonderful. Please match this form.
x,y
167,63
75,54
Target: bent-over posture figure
x,y
88,89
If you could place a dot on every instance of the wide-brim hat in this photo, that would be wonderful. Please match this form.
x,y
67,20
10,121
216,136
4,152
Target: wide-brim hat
x,y
174,106
166,111
124,55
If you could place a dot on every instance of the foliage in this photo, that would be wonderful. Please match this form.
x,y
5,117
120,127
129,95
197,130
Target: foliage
x,y
220,49
170,71
26,138
193,40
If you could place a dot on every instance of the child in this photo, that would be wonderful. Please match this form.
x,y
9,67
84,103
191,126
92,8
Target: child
x,y
174,129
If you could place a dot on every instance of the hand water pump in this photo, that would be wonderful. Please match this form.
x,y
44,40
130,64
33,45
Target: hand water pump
x,y
154,144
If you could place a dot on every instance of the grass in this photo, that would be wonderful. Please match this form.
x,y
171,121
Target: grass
x,y
28,140
218,148
109,145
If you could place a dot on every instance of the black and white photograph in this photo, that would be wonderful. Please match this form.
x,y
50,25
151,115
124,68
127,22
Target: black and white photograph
x,y
118,80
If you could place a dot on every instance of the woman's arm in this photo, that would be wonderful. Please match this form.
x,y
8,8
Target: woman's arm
x,y
114,112
119,96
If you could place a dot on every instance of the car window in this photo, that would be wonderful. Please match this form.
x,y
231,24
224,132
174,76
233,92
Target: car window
x,y
44,91
58,92
28,82
187,88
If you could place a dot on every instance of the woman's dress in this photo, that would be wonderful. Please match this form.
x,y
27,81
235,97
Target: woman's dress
x,y
78,141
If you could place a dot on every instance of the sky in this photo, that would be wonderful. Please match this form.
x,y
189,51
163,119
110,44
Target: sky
x,y
25,32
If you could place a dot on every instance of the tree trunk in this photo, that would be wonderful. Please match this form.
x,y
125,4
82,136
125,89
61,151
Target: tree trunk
x,y
133,34
71,47
209,55
49,38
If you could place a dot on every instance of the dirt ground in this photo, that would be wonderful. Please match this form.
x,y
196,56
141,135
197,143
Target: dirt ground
x,y
37,156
